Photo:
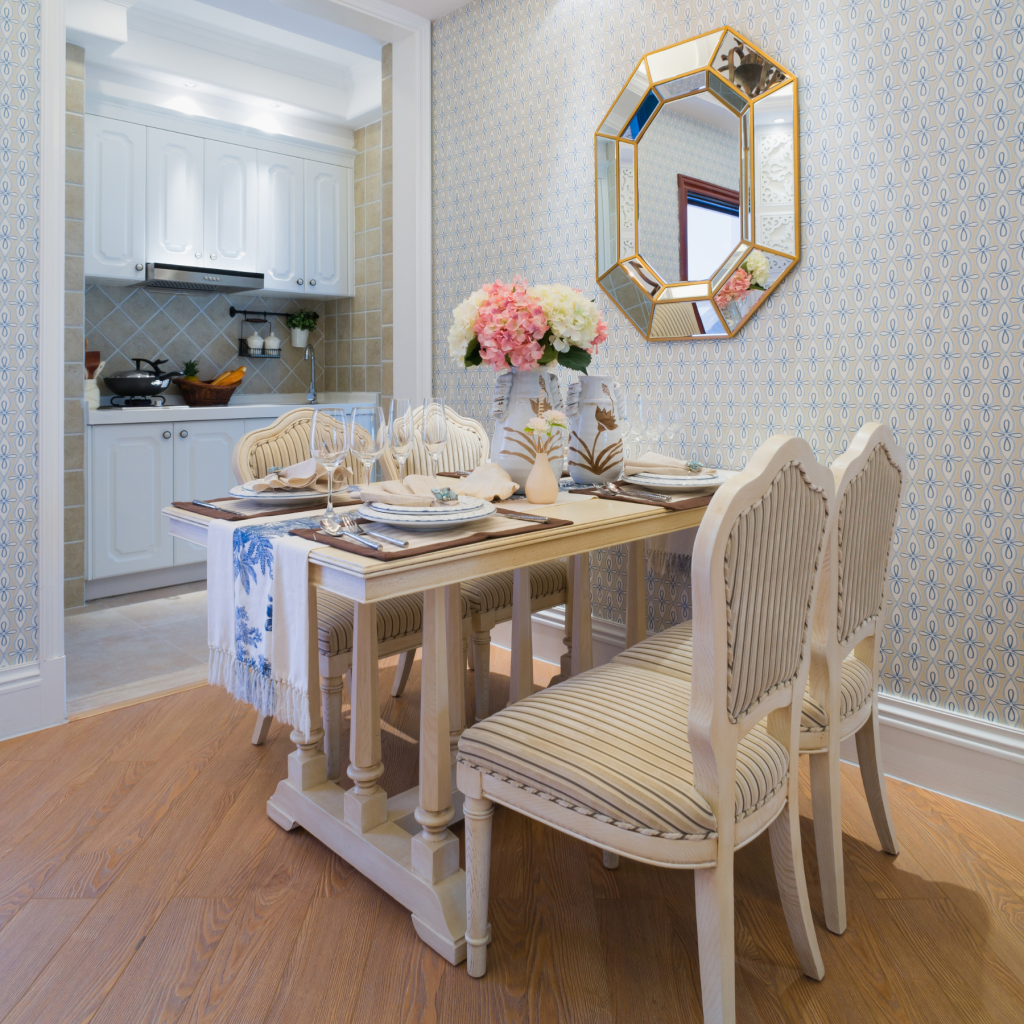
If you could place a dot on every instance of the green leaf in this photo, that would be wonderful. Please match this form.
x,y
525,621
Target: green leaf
x,y
473,357
575,359
550,354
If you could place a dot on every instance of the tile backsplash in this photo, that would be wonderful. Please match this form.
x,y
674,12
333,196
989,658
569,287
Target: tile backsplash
x,y
125,323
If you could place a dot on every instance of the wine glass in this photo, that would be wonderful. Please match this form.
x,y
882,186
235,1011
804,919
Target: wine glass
x,y
434,430
328,444
368,435
401,431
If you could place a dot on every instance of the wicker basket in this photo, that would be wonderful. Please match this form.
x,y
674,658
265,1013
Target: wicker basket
x,y
198,392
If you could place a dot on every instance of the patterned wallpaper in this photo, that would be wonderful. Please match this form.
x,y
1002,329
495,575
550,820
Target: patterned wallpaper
x,y
19,313
906,305
675,144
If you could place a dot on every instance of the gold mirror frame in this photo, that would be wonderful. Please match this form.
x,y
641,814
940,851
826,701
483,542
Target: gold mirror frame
x,y
753,86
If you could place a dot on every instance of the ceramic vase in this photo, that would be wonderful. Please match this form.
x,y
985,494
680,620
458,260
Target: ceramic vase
x,y
541,485
300,339
518,397
595,433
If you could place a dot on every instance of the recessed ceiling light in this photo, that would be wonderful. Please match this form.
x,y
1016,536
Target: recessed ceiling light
x,y
779,120
274,105
190,85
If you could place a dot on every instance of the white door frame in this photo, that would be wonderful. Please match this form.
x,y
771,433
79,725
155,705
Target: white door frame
x,y
32,696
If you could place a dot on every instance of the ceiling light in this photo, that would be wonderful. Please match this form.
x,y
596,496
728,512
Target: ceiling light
x,y
274,105
779,120
189,85
184,105
265,122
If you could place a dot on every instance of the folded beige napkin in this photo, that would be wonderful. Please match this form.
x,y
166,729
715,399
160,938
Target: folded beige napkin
x,y
488,481
665,465
301,476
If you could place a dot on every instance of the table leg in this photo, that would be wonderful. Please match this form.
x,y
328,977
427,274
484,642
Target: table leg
x,y
521,674
366,804
565,662
582,643
456,667
435,851
307,767
636,594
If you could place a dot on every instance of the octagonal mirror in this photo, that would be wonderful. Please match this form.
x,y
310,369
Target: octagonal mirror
x,y
698,187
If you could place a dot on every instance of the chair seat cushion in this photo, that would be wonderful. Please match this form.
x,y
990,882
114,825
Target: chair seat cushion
x,y
612,744
672,652
494,593
396,617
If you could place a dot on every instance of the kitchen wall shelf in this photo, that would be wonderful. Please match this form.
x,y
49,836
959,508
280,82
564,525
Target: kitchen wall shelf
x,y
246,353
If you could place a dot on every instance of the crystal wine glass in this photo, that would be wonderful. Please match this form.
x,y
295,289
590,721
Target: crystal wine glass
x,y
368,434
328,444
401,432
434,430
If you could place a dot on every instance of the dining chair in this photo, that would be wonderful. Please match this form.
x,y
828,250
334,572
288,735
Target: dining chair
x,y
681,764
399,620
489,597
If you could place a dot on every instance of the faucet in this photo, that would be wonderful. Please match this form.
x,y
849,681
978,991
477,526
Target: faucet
x,y
311,394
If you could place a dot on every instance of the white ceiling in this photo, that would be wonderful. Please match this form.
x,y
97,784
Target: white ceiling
x,y
432,9
705,107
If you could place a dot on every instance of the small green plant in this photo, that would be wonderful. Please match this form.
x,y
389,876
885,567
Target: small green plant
x,y
302,320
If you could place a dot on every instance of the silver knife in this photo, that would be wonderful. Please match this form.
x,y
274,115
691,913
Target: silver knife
x,y
361,540
647,496
208,504
383,536
524,515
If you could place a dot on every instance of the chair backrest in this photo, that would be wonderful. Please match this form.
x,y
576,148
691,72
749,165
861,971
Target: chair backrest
x,y
869,481
467,447
284,443
755,570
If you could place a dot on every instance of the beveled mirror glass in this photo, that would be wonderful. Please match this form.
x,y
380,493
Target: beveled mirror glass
x,y
697,187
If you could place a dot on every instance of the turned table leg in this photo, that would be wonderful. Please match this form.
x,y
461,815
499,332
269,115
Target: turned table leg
x,y
307,766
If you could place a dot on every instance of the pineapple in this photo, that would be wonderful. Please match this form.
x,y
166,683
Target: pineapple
x,y
191,369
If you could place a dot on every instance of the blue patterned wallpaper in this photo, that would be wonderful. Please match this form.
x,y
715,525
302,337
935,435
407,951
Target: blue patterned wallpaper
x,y
19,317
906,306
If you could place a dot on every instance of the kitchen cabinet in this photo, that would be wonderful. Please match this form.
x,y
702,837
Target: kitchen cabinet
x,y
175,222
329,236
131,478
115,199
282,257
230,206
202,469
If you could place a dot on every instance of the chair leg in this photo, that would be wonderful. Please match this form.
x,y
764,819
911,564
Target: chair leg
x,y
479,813
611,860
869,753
828,834
482,672
716,939
262,731
405,660
787,858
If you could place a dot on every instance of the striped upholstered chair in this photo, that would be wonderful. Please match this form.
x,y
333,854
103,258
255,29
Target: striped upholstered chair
x,y
489,597
399,620
681,764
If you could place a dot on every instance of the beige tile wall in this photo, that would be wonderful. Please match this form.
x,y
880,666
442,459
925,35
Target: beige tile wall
x,y
74,334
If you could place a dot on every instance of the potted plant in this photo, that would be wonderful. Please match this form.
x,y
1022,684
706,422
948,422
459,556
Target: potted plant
x,y
301,323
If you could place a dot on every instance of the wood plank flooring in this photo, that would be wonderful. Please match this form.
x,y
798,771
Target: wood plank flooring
x,y
141,881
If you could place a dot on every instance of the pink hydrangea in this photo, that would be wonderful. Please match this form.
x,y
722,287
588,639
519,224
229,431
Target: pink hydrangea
x,y
510,323
735,288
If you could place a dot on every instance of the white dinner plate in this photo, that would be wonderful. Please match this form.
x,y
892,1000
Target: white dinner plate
x,y
465,504
678,484
278,497
424,519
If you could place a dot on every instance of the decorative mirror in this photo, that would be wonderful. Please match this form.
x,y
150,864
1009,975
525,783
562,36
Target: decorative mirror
x,y
698,203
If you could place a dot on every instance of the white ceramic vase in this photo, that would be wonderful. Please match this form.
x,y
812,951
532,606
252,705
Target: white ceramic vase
x,y
518,397
300,339
595,406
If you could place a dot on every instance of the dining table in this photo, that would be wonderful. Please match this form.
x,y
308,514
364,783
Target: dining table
x,y
403,842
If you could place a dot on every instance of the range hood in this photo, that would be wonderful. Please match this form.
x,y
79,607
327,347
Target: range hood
x,y
198,279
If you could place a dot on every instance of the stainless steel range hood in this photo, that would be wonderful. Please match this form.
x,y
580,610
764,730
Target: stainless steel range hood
x,y
197,279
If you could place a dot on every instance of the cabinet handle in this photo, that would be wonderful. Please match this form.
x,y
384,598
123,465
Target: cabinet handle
x,y
139,266
167,435
213,255
298,280
199,255
312,282
182,433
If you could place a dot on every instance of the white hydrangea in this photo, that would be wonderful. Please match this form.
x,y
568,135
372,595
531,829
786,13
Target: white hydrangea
x,y
462,333
572,316
756,265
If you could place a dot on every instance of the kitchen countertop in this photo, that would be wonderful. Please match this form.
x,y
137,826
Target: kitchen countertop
x,y
240,407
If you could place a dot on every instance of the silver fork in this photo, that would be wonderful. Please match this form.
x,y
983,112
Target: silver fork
x,y
358,529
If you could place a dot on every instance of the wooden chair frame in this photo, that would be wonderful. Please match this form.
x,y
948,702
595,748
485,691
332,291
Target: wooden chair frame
x,y
714,741
827,656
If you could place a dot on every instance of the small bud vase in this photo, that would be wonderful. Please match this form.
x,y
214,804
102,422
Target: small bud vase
x,y
541,485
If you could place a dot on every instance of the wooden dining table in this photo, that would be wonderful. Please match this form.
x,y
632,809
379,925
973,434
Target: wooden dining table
x,y
402,842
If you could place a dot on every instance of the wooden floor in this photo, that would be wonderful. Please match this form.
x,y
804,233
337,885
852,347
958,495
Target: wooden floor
x,y
141,881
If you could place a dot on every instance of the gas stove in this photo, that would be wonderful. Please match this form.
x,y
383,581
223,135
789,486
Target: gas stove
x,y
137,402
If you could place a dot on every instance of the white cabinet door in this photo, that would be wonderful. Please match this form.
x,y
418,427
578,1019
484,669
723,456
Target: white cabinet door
x,y
330,242
202,469
230,205
115,199
259,423
174,198
281,252
131,480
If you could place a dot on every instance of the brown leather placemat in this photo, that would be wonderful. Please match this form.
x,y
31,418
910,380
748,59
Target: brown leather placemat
x,y
677,505
237,517
392,554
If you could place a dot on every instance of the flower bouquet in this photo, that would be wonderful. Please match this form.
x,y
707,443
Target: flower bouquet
x,y
511,325
750,276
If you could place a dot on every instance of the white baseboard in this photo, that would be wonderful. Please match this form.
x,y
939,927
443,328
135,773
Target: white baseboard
x,y
154,579
969,759
31,697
